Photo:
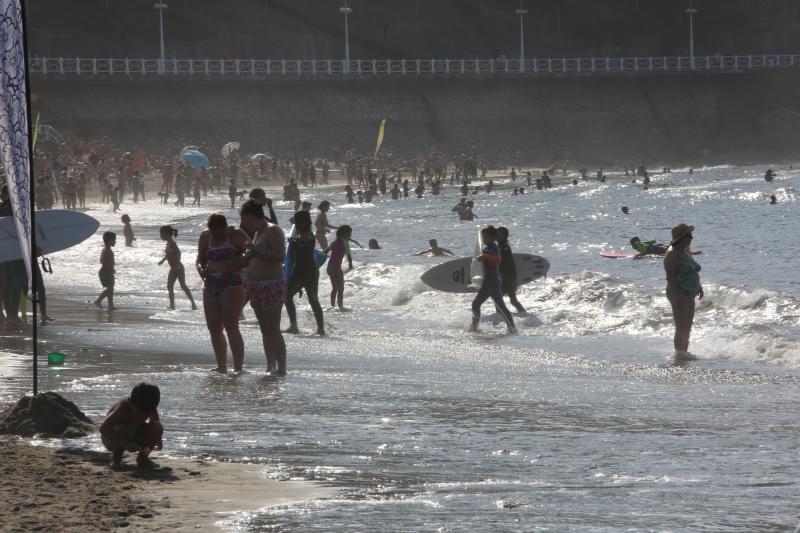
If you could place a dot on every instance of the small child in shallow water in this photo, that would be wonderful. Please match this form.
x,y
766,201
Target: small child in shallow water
x,y
133,425
127,230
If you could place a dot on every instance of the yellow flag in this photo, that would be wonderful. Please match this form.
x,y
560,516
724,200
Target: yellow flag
x,y
36,131
380,137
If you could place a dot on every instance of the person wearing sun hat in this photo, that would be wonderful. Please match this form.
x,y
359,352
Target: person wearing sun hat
x,y
683,286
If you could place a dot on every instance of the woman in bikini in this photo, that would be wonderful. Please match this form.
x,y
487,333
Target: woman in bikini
x,y
220,262
172,255
266,283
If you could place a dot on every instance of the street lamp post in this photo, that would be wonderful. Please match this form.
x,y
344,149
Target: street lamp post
x,y
161,6
521,12
345,10
691,11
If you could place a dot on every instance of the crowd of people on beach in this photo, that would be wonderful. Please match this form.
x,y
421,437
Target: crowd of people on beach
x,y
225,253
255,263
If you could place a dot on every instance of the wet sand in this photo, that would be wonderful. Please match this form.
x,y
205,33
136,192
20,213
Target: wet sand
x,y
55,489
46,488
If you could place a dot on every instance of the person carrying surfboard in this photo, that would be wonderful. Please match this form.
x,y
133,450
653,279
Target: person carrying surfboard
x,y
490,285
508,270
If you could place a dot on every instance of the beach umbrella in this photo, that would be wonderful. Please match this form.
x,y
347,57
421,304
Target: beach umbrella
x,y
196,158
187,148
230,147
261,157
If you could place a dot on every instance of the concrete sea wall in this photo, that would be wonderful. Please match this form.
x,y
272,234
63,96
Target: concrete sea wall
x,y
690,118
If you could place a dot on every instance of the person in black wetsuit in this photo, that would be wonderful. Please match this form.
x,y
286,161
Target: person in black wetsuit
x,y
508,270
490,286
305,273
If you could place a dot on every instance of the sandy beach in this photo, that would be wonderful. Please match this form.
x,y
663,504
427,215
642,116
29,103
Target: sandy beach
x,y
56,489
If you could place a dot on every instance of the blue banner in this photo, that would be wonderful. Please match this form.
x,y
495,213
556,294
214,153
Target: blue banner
x,y
14,126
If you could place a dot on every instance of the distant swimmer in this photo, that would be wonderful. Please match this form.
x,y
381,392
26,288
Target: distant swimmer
x,y
460,207
773,199
683,286
172,255
626,210
491,286
469,214
373,244
435,250
648,247
769,175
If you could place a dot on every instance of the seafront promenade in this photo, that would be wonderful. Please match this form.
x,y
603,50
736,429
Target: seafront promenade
x,y
255,69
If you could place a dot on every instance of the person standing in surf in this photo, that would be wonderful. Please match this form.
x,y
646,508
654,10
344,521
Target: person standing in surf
x,y
266,283
107,271
321,225
305,273
338,250
508,270
177,272
490,286
683,286
220,262
127,230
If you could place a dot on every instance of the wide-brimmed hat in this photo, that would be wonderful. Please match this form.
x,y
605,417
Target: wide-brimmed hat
x,y
679,232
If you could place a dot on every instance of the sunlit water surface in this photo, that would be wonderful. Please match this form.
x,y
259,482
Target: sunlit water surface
x,y
579,422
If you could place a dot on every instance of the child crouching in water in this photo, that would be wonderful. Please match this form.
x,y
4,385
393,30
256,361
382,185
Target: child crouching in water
x,y
133,425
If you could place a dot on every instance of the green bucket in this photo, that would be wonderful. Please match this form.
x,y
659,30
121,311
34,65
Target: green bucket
x,y
55,358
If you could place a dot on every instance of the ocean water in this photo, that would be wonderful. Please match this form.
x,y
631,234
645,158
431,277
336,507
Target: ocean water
x,y
580,422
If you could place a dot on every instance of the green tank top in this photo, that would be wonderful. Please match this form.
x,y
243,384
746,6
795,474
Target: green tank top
x,y
687,279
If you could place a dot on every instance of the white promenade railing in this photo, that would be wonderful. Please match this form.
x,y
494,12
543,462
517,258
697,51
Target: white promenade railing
x,y
325,68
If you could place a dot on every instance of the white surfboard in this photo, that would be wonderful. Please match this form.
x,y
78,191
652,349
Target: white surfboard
x,y
475,266
55,230
454,276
